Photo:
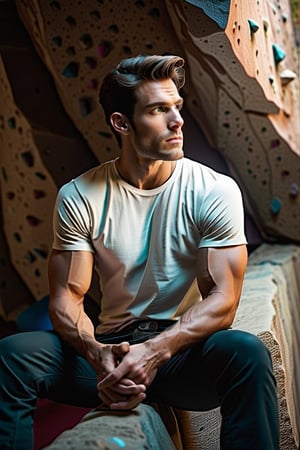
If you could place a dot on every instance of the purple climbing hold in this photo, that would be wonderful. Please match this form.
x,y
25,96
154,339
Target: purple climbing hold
x,y
33,221
294,190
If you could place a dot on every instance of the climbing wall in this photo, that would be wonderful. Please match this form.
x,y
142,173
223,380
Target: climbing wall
x,y
27,191
242,90
81,41
245,76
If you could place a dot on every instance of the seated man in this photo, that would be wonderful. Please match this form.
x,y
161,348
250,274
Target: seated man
x,y
166,236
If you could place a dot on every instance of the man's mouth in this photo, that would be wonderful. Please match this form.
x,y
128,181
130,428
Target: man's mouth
x,y
174,139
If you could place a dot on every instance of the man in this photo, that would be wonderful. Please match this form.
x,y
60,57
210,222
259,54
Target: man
x,y
166,236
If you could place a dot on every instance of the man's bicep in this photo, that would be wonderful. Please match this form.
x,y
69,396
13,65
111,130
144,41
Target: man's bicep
x,y
222,269
70,271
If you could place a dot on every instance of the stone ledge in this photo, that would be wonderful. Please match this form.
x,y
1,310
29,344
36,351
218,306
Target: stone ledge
x,y
112,430
270,308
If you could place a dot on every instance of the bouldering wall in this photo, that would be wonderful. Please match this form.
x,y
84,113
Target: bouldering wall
x,y
242,89
245,96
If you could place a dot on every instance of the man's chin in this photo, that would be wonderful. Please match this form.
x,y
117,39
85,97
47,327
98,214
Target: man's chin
x,y
173,155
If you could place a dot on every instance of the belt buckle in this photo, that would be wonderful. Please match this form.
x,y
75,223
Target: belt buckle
x,y
149,326
145,329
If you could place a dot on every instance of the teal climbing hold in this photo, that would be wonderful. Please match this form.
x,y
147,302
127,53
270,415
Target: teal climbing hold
x,y
253,26
275,206
278,54
71,70
11,122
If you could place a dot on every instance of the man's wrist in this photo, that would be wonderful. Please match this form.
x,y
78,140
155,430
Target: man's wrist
x,y
158,346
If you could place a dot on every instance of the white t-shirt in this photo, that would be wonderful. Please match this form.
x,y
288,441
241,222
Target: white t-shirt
x,y
146,242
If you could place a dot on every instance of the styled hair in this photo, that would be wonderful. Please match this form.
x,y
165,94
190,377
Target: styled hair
x,y
117,93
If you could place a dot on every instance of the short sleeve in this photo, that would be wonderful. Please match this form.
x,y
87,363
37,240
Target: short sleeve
x,y
222,215
71,221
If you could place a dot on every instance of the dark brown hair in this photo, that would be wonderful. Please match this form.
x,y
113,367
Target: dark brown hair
x,y
117,93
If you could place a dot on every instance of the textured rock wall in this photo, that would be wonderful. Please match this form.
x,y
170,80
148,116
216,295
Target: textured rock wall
x,y
52,128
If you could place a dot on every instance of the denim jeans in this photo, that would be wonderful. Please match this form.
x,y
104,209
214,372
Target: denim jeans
x,y
231,369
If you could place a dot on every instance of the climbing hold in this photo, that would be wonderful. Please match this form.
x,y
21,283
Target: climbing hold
x,y
104,48
38,193
30,257
10,195
40,252
286,76
86,41
40,175
116,440
294,190
33,221
271,79
92,84
17,237
71,21
28,158
253,26
85,106
266,25
71,70
104,134
275,206
11,122
57,40
90,62
278,54
275,143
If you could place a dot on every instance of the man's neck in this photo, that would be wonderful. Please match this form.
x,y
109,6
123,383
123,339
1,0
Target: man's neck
x,y
145,176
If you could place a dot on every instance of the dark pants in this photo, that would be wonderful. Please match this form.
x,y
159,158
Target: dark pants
x,y
231,368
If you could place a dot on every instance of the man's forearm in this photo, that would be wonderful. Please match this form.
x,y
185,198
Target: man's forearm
x,y
73,325
196,324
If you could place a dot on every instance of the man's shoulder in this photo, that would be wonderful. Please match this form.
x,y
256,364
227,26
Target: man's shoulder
x,y
202,171
89,179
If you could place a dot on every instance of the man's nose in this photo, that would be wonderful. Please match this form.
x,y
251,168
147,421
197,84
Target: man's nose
x,y
176,120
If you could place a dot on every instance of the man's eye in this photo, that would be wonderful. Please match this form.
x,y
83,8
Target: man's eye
x,y
159,109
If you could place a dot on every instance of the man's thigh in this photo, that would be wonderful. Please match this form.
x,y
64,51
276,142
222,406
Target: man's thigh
x,y
195,379
38,363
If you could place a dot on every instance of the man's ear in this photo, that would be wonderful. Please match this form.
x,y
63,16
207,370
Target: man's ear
x,y
119,122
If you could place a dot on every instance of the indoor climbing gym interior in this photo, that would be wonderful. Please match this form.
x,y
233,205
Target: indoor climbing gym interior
x,y
241,117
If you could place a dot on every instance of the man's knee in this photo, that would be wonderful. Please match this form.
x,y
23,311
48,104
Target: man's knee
x,y
241,347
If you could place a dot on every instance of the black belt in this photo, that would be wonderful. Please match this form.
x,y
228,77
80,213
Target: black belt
x,y
147,328
139,330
